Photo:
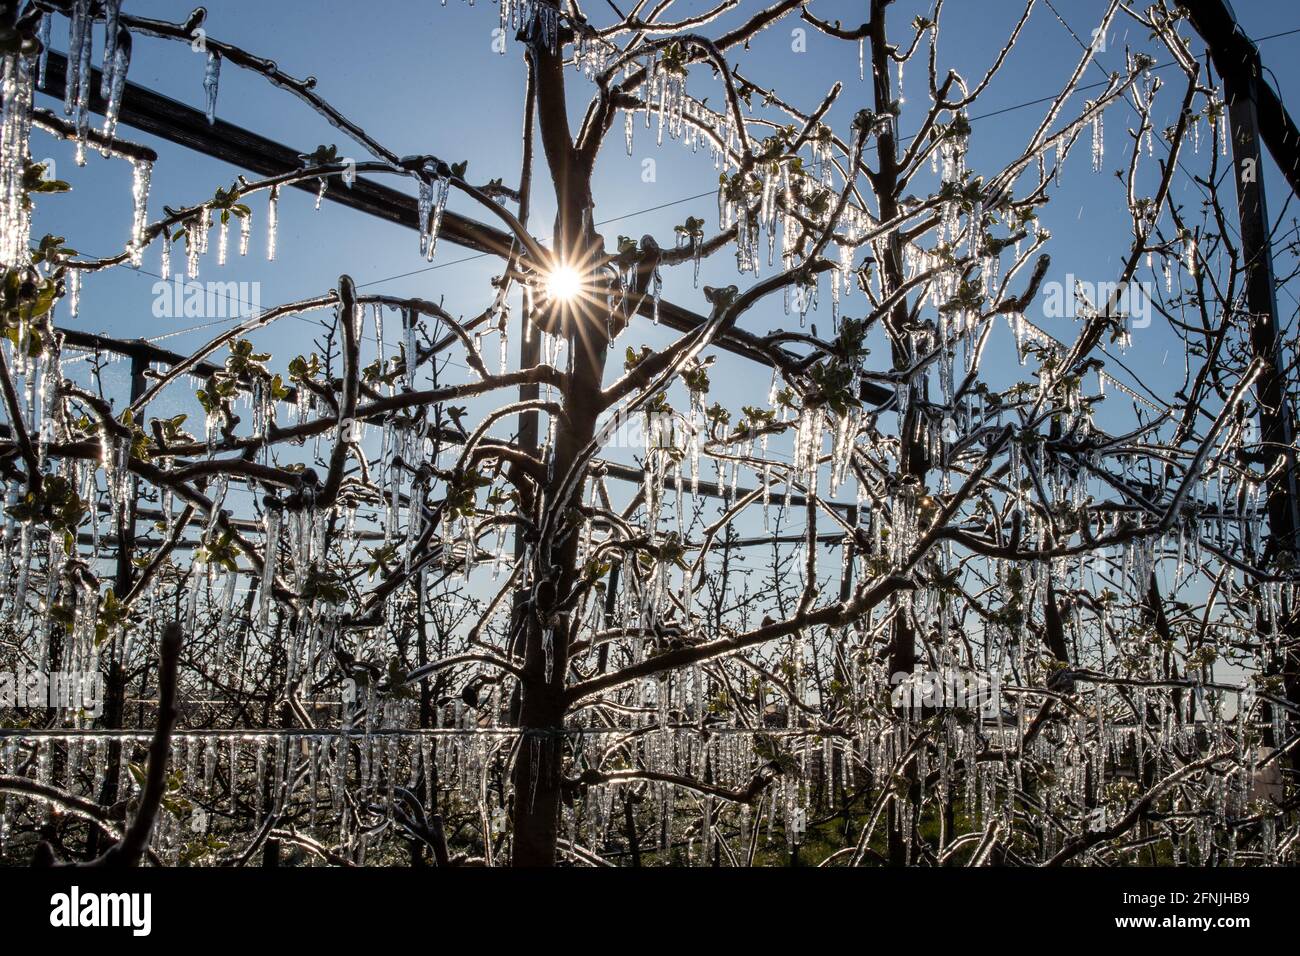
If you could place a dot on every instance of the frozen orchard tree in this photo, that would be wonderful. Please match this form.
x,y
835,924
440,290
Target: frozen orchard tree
x,y
914,560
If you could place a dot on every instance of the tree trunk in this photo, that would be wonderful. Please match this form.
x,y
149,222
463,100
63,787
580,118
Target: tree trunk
x,y
538,763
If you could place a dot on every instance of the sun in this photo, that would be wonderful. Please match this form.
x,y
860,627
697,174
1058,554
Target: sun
x,y
563,284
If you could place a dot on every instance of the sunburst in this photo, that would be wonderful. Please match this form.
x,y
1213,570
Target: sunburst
x,y
564,284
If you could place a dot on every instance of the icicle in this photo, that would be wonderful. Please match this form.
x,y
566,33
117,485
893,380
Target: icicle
x,y
245,230
504,340
141,175
114,78
43,35
273,221
270,558
15,131
260,771
193,245
411,357
548,649
211,80
74,290
431,203
76,97
234,771
656,290
204,227
112,13
223,240
1098,142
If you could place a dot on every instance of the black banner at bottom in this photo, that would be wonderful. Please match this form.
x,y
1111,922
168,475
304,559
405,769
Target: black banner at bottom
x,y
224,906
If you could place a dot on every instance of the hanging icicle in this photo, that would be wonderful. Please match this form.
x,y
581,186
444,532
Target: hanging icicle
x,y
141,174
211,82
115,70
1098,138
272,223
76,96
434,186
15,131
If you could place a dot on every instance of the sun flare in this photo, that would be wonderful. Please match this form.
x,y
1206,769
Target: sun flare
x,y
563,284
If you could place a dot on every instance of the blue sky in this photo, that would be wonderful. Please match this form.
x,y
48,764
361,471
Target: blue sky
x,y
422,77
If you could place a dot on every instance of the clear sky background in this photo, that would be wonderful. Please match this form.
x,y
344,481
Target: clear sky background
x,y
424,78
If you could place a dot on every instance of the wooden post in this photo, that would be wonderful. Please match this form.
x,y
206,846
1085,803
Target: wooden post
x,y
1275,415
1238,60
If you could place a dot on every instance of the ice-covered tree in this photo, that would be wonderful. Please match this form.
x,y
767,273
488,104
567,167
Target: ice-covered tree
x,y
893,606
